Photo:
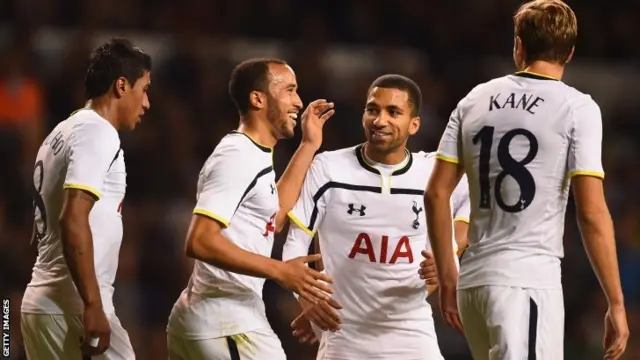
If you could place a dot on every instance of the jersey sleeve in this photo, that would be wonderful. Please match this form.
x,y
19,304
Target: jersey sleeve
x,y
585,153
226,179
460,202
450,143
92,150
297,243
308,212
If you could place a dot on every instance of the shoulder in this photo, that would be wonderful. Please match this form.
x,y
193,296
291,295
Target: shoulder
x,y
236,153
90,127
339,154
424,160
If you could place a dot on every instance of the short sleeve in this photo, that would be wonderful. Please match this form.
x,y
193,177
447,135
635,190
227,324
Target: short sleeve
x,y
461,204
92,150
450,143
308,212
226,178
585,153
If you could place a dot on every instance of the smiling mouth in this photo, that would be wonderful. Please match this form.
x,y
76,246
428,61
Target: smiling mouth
x,y
378,133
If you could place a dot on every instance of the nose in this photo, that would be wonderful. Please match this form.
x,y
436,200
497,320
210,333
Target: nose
x,y
380,121
146,105
297,102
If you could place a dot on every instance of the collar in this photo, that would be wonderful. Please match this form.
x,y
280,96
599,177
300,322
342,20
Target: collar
x,y
363,162
532,75
261,147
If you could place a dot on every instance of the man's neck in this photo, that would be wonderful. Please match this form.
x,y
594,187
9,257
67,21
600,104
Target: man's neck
x,y
258,130
104,107
544,68
394,157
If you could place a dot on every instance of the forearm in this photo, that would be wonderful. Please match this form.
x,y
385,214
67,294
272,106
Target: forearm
x,y
598,236
77,246
291,181
222,253
439,221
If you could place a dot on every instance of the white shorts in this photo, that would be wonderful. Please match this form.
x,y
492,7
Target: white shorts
x,y
57,337
361,342
509,323
253,345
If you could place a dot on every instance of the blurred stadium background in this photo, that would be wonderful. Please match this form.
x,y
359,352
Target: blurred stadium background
x,y
337,47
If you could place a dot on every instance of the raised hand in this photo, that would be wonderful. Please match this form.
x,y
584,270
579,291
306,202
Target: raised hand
x,y
313,119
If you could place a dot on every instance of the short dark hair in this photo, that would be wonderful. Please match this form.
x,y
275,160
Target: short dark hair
x,y
114,59
395,81
250,75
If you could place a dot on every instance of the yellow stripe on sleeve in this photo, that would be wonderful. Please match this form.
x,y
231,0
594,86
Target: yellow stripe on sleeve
x,y
209,214
297,221
463,219
597,174
446,158
88,189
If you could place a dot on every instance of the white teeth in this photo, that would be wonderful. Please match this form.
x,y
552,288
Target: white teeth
x,y
293,116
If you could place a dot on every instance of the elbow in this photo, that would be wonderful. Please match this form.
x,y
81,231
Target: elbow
x,y
192,249
435,195
591,217
282,220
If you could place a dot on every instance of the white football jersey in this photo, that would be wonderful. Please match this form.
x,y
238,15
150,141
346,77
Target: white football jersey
x,y
237,188
371,224
520,139
82,152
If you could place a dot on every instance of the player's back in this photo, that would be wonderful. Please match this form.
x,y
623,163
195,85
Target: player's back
x,y
518,150
81,152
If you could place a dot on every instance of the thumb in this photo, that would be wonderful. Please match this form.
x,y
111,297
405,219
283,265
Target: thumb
x,y
311,258
427,254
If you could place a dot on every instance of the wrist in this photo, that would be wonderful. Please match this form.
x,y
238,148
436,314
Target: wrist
x,y
617,302
309,145
275,272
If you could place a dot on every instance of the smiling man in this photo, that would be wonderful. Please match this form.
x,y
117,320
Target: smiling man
x,y
365,204
221,315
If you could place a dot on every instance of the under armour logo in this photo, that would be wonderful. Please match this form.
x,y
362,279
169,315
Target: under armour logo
x,y
273,188
416,222
360,211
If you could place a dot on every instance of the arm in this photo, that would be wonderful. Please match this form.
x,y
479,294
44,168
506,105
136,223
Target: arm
x,y
291,181
290,184
594,220
77,244
220,193
596,228
91,150
444,179
461,215
206,243
460,229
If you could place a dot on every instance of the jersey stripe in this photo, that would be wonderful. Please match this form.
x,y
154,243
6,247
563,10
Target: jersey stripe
x,y
447,158
209,214
597,174
86,188
351,187
253,183
233,348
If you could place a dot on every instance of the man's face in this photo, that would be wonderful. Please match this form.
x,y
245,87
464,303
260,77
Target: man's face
x,y
134,100
387,119
283,101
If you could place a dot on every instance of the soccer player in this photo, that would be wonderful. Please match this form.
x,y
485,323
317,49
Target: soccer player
x,y
79,184
522,139
365,203
221,315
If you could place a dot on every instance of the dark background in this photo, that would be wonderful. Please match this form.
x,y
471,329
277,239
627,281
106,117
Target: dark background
x,y
337,47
